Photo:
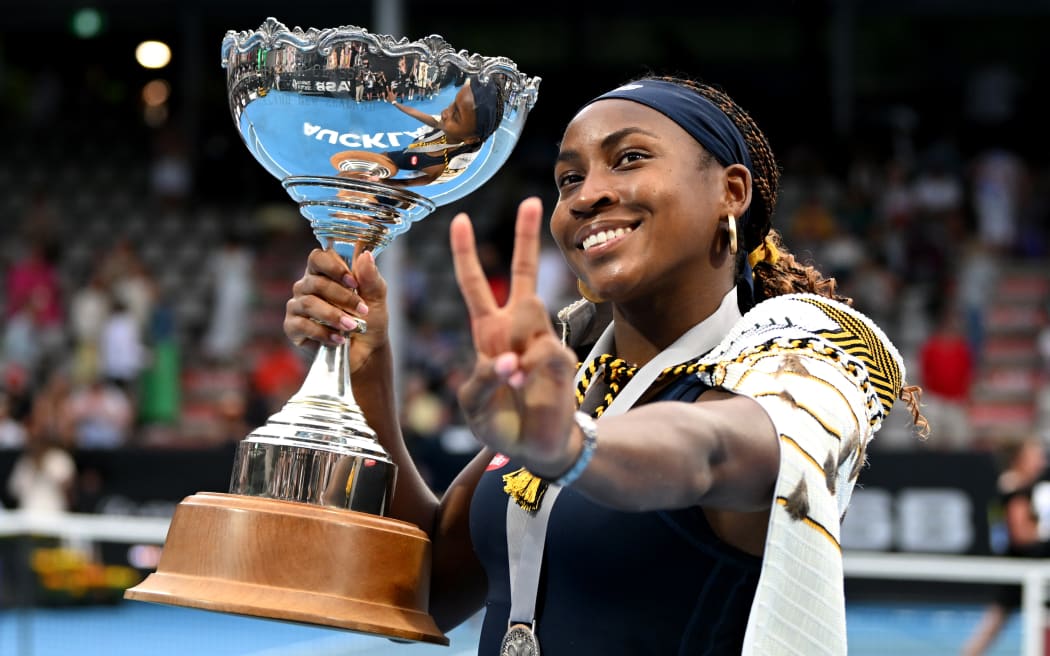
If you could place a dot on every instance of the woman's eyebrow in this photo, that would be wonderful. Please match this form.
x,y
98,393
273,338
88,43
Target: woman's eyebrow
x,y
566,156
608,141
614,137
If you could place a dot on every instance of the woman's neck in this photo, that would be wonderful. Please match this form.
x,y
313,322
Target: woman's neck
x,y
642,332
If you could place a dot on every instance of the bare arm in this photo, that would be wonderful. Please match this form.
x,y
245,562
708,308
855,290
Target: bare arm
x,y
458,583
331,295
422,117
720,452
1020,524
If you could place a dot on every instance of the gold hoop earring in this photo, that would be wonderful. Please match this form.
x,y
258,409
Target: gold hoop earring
x,y
587,293
731,227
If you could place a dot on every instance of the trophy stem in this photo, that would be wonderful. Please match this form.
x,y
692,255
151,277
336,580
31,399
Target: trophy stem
x,y
325,401
318,448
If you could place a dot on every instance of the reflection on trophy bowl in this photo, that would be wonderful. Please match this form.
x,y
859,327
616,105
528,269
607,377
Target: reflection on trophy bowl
x,y
363,164
423,122
368,134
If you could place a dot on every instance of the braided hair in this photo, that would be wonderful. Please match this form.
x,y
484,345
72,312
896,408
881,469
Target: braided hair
x,y
787,275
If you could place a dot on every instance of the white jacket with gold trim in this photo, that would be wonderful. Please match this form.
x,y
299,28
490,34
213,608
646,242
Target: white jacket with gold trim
x,y
827,376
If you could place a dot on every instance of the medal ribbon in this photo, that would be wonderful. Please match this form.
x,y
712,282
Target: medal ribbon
x,y
527,529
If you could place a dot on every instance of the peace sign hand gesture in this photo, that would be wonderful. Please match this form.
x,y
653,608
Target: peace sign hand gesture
x,y
518,400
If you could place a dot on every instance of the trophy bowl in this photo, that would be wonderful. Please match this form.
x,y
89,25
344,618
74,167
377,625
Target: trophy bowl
x,y
368,134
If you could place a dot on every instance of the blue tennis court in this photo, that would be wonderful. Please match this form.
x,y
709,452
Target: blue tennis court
x,y
142,629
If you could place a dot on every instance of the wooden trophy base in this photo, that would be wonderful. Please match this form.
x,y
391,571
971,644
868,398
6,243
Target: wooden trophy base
x,y
296,562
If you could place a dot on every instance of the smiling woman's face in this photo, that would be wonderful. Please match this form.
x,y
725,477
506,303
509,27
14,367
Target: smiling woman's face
x,y
639,201
459,120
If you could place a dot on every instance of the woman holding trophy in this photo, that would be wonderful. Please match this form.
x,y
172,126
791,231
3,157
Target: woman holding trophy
x,y
670,480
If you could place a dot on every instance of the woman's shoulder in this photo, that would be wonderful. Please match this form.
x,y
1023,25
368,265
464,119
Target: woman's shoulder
x,y
807,333
809,316
811,310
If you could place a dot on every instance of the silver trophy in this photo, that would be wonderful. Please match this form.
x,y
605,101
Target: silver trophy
x,y
368,134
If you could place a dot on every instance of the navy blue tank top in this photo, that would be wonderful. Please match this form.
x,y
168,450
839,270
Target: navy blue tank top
x,y
614,582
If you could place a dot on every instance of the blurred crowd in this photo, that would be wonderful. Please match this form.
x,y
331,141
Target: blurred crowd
x,y
943,242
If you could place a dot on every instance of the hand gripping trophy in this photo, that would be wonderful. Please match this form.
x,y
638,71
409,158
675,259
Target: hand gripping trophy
x,y
368,134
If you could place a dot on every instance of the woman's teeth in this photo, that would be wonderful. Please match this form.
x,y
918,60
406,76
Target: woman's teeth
x,y
604,236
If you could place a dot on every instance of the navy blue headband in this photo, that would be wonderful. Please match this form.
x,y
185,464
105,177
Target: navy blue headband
x,y
698,116
486,99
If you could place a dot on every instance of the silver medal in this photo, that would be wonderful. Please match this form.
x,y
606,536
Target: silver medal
x,y
519,641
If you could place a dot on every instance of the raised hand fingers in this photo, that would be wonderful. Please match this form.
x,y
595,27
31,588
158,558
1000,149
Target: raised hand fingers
x,y
547,394
525,262
469,274
522,403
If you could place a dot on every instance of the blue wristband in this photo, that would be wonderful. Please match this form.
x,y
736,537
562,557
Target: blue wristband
x,y
589,428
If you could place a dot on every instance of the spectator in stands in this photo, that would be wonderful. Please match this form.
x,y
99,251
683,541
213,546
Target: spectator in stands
x,y
35,276
425,413
231,410
19,389
976,274
122,351
46,408
946,364
894,214
999,186
276,374
939,197
159,395
126,277
88,310
43,477
34,308
12,431
99,415
20,345
1025,500
231,286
